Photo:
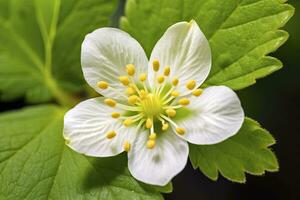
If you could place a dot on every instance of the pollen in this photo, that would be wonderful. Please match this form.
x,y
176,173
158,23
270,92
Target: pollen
x,y
115,115
152,136
110,102
171,112
126,146
175,93
184,101
191,84
132,99
197,92
180,131
102,85
175,81
165,126
143,77
130,69
130,91
160,79
167,71
150,144
124,80
111,134
149,123
127,122
155,65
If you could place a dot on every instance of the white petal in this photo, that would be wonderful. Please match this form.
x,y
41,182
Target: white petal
x,y
217,115
104,55
159,165
86,125
185,49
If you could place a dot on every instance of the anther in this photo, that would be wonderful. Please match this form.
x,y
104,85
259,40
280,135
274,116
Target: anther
x,y
102,85
149,123
175,81
110,102
167,71
171,112
184,101
150,144
143,94
165,126
180,131
130,91
175,93
191,84
155,65
126,146
152,136
132,99
127,122
143,77
160,79
124,80
130,69
115,115
197,92
111,134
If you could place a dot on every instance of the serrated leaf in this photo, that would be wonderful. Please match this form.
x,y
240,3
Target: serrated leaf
x,y
40,44
247,151
241,32
36,164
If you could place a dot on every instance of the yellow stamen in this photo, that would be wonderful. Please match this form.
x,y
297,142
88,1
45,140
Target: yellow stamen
x,y
130,91
127,122
167,71
143,77
111,134
171,112
180,131
132,99
184,101
160,79
175,93
175,81
102,85
149,123
155,65
197,92
110,102
115,115
124,80
126,146
165,126
130,69
150,144
191,84
152,136
143,94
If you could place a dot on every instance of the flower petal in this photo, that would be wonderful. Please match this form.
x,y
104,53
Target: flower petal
x,y
86,126
104,55
217,115
159,165
185,49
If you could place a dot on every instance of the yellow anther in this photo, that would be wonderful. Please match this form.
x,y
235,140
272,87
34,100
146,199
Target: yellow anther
x,y
171,112
160,79
102,85
110,102
165,126
197,92
124,80
143,94
180,131
115,115
155,65
132,99
111,134
130,69
175,93
167,71
149,123
143,77
150,144
191,84
126,146
184,101
130,91
152,136
127,122
175,81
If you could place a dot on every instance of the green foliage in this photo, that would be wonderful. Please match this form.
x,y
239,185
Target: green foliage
x,y
247,151
240,32
35,163
40,45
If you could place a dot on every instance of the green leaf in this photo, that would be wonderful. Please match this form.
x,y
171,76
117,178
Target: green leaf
x,y
40,45
247,151
36,164
240,32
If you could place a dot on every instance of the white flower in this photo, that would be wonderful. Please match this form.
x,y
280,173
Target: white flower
x,y
150,109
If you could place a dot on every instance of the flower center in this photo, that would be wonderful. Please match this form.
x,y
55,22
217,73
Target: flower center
x,y
147,105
